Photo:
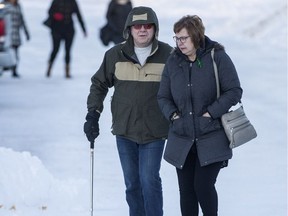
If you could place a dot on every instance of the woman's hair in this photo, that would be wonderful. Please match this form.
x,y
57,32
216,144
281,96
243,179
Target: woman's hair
x,y
195,29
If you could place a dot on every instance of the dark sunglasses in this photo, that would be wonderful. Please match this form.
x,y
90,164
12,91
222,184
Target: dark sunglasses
x,y
146,26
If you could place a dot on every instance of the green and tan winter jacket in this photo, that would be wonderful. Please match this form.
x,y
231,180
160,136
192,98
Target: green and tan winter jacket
x,y
135,110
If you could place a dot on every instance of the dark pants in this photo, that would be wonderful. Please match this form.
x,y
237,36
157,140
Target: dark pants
x,y
141,166
197,186
57,37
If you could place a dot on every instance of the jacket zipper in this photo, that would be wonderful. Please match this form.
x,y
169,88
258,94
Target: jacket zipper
x,y
192,109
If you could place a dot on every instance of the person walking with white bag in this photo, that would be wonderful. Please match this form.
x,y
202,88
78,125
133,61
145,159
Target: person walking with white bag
x,y
14,22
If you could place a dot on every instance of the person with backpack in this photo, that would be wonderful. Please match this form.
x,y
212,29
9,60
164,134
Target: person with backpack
x,y
17,23
197,144
62,29
134,69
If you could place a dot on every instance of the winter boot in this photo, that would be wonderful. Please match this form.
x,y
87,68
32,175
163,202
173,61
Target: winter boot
x,y
14,73
67,71
49,70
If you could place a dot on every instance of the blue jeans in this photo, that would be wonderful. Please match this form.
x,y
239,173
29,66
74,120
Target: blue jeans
x,y
141,166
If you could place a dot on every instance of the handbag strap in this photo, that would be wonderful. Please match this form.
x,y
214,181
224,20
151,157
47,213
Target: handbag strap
x,y
216,73
217,76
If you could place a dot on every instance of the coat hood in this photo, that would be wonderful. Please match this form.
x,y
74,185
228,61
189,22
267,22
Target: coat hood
x,y
140,15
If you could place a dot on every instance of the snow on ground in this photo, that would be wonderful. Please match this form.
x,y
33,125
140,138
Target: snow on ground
x,y
44,155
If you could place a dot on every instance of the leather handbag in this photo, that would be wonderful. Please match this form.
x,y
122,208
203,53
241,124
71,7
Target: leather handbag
x,y
237,126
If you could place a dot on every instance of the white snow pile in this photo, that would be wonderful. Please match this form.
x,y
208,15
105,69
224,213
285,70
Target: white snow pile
x,y
26,184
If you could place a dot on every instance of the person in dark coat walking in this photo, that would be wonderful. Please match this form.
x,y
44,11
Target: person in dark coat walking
x,y
134,69
116,15
62,29
197,145
17,24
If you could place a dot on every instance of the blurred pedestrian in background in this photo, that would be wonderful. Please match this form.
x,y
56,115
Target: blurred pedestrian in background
x,y
17,23
62,29
116,15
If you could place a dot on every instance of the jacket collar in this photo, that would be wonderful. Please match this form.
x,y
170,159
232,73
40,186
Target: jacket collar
x,y
128,49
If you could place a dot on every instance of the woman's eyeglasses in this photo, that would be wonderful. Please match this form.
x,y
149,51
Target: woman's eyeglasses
x,y
181,39
139,26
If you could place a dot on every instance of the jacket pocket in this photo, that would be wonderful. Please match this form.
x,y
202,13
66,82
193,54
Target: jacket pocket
x,y
121,112
208,125
180,127
153,72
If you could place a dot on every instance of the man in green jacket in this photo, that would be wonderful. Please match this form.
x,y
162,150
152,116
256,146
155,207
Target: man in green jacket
x,y
134,69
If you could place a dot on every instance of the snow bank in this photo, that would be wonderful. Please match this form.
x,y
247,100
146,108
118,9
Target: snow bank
x,y
25,184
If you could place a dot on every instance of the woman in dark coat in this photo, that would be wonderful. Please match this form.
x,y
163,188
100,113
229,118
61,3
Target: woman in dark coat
x,y
116,15
62,28
197,145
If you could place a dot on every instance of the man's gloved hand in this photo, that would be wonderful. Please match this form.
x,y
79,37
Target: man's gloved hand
x,y
91,126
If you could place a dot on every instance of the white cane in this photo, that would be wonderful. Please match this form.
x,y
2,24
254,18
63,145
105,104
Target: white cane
x,y
91,173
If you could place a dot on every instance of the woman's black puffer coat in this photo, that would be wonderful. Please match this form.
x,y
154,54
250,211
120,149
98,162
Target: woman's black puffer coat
x,y
189,88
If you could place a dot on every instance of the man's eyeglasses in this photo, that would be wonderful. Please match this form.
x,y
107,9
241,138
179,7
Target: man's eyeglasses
x,y
139,26
182,39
